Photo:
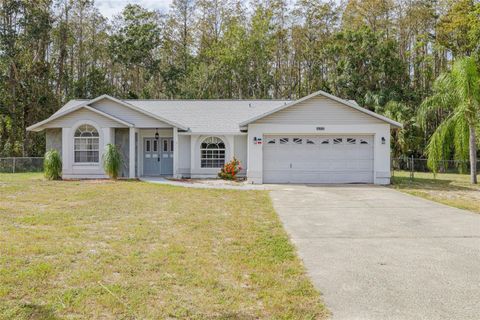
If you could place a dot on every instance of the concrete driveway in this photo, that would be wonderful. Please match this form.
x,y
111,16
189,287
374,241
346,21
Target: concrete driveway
x,y
376,253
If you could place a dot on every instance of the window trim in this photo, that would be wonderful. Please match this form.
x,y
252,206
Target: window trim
x,y
224,149
75,138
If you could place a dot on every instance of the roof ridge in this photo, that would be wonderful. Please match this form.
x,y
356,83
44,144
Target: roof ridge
x,y
240,100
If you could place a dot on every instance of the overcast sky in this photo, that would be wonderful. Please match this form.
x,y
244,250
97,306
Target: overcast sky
x,y
109,8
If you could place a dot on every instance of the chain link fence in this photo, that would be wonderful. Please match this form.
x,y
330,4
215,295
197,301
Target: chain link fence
x,y
410,164
21,164
413,165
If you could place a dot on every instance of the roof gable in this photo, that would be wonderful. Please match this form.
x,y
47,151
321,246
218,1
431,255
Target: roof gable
x,y
137,118
55,117
133,107
349,104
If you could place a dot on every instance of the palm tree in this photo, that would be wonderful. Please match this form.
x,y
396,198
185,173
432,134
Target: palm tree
x,y
456,94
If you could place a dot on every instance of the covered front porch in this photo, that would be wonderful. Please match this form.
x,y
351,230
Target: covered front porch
x,y
172,152
148,151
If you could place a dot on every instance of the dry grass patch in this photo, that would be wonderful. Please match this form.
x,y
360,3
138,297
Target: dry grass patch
x,y
448,188
133,250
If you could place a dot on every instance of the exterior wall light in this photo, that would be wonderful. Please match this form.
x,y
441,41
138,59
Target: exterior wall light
x,y
383,140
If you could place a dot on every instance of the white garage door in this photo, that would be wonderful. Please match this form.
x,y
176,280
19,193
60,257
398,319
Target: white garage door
x,y
318,159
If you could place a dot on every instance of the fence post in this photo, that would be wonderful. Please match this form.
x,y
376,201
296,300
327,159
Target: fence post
x,y
412,164
392,165
13,165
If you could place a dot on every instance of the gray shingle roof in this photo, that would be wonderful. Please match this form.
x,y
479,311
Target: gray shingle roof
x,y
202,116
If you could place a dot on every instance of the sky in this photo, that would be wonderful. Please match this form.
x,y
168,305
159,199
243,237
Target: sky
x,y
110,8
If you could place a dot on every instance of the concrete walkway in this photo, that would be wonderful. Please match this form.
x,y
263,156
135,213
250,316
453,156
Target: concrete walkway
x,y
205,184
376,253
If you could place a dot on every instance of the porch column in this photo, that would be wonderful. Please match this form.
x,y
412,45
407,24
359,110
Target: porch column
x,y
175,153
131,153
66,146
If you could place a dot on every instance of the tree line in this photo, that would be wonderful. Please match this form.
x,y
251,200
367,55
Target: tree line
x,y
385,54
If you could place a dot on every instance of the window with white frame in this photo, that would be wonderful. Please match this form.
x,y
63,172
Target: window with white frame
x,y
212,152
86,142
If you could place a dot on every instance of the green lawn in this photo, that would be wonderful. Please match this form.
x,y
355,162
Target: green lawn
x,y
451,189
133,250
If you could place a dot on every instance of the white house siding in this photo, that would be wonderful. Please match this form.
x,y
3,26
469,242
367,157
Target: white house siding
x,y
71,119
320,116
319,110
137,118
53,139
184,156
240,152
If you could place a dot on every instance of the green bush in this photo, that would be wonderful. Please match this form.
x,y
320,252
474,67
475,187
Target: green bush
x,y
112,161
52,165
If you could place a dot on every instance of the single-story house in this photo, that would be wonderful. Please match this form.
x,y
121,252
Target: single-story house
x,y
319,138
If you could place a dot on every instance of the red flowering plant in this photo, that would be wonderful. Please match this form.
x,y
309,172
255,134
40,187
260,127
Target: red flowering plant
x,y
230,170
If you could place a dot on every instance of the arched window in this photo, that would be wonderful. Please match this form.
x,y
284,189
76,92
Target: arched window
x,y
86,144
212,152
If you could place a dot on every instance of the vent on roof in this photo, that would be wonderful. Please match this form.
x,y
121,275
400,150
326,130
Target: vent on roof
x,y
250,105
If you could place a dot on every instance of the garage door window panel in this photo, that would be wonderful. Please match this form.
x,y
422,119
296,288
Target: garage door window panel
x,y
297,140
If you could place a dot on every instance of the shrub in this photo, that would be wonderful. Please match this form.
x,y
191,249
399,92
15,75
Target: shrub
x,y
230,170
52,165
112,161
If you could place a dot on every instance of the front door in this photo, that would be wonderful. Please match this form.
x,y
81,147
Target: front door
x,y
167,156
151,157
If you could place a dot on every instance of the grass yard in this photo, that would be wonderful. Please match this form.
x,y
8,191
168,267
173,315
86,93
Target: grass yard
x,y
133,250
448,188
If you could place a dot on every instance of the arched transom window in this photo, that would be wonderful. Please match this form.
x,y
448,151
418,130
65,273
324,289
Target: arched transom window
x,y
212,152
86,144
